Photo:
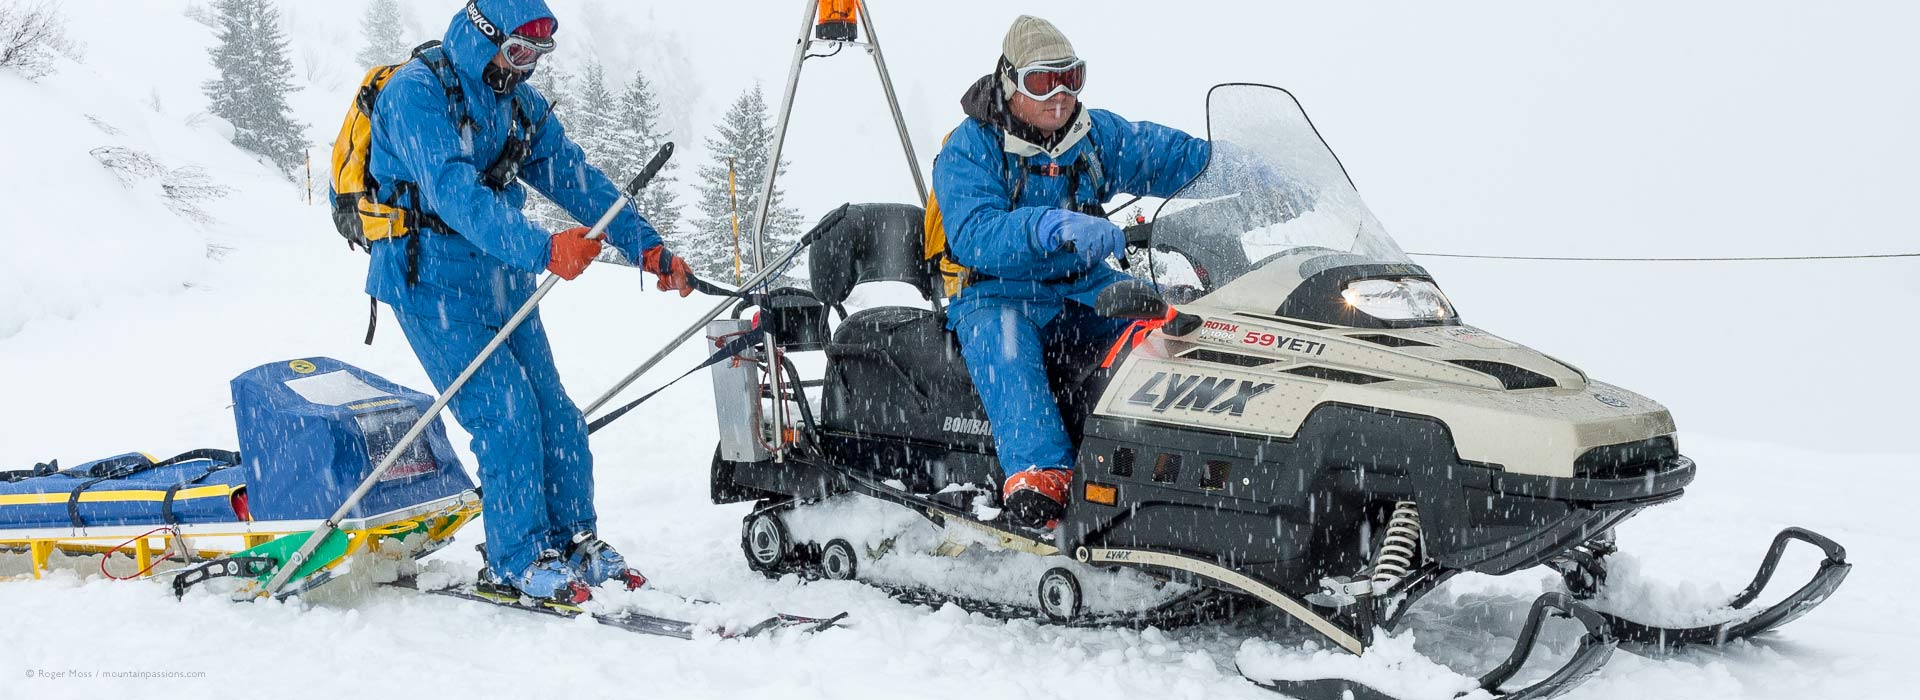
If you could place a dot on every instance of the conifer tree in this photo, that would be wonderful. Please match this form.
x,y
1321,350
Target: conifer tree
x,y
255,77
554,83
745,139
384,28
641,136
620,134
592,120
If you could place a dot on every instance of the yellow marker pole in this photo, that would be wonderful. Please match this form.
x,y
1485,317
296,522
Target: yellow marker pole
x,y
733,199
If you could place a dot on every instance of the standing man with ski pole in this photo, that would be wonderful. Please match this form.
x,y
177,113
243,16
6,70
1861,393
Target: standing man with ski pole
x,y
457,136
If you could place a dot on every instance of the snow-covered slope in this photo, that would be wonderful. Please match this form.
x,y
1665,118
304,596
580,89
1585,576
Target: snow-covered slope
x,y
121,321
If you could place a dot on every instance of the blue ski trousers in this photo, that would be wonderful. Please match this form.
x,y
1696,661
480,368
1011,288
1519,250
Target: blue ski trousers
x,y
1010,358
536,474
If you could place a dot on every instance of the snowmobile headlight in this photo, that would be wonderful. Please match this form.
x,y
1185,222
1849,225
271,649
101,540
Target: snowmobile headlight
x,y
1398,300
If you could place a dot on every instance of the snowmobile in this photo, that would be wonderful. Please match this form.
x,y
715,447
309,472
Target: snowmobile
x,y
308,429
1297,418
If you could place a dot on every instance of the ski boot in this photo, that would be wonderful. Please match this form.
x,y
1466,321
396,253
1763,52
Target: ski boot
x,y
1037,497
549,579
598,563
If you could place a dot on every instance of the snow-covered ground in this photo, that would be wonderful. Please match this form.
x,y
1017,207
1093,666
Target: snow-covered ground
x,y
121,322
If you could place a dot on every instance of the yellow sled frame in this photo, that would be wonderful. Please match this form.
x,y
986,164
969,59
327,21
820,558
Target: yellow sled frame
x,y
438,519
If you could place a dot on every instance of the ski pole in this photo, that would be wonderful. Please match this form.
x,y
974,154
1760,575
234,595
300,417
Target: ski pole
x,y
331,525
826,223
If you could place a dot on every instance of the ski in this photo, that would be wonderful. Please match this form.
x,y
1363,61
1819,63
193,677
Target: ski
x,y
1588,573
1595,647
629,620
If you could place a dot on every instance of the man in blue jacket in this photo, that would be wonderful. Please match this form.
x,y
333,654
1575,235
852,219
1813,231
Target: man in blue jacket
x,y
456,133
1019,186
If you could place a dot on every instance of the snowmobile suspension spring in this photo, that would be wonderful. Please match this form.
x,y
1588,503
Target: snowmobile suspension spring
x,y
1399,549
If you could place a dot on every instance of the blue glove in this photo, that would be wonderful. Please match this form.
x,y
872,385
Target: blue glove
x,y
1092,238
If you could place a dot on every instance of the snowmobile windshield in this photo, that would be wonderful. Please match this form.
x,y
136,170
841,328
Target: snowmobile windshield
x,y
1272,209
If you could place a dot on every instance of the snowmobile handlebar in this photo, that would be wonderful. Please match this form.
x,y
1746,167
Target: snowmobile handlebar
x,y
1139,235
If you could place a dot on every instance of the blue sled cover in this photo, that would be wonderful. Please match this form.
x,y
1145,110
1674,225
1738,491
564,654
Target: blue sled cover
x,y
310,431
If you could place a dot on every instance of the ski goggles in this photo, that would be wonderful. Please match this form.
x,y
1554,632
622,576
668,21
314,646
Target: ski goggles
x,y
1044,80
522,48
523,52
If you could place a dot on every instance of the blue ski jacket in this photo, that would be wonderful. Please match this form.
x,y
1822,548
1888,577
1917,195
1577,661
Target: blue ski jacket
x,y
993,233
487,269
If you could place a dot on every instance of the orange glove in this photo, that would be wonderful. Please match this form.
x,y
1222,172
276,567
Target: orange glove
x,y
672,270
572,252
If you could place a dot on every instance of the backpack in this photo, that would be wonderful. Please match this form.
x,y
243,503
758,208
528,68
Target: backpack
x,y
362,212
955,276
358,213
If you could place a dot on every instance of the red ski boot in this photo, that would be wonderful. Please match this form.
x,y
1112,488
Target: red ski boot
x,y
1037,497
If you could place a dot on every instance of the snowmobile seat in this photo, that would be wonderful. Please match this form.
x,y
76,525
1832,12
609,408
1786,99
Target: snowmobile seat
x,y
873,243
892,370
896,371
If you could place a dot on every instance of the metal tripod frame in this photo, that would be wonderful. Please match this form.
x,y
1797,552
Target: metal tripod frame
x,y
801,52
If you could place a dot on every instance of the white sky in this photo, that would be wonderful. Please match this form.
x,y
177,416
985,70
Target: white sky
x,y
1625,128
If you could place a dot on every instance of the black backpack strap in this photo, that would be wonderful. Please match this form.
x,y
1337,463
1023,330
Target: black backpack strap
x,y
435,57
1087,164
373,316
406,195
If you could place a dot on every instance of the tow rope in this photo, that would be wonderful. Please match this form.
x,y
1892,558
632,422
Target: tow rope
x,y
733,347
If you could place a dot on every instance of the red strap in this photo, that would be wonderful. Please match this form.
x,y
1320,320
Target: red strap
x,y
1135,335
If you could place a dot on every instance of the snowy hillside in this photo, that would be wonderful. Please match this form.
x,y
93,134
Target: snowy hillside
x,y
124,311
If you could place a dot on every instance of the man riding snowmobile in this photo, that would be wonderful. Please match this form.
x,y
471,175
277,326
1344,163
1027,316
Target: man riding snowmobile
x,y
455,134
1017,193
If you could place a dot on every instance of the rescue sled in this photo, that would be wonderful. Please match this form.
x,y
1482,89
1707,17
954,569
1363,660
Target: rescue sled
x,y
309,430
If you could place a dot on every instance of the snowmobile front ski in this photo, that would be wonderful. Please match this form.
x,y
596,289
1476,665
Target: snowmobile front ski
x,y
629,620
1596,646
1585,571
